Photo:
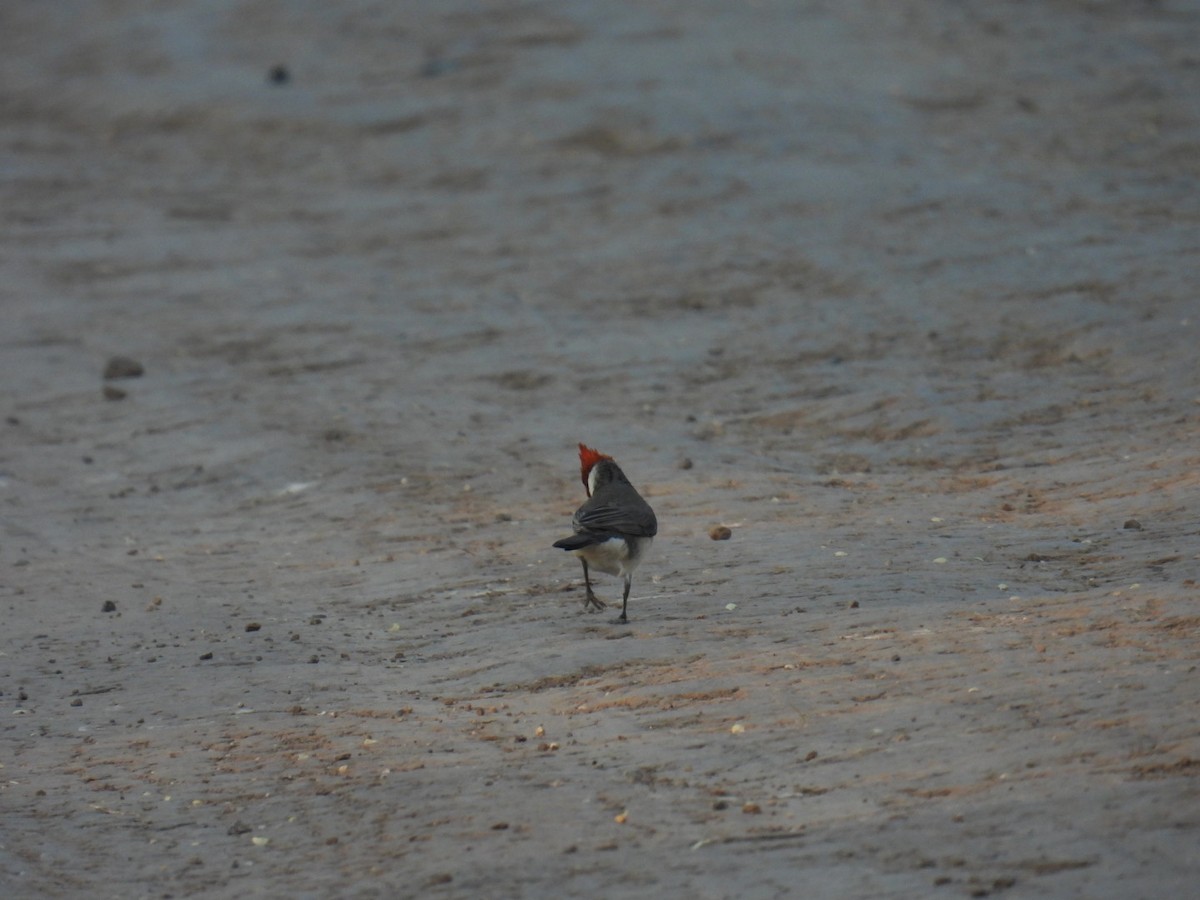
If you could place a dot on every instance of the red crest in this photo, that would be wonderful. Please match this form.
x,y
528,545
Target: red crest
x,y
587,459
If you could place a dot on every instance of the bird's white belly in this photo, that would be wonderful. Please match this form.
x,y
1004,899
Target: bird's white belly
x,y
616,556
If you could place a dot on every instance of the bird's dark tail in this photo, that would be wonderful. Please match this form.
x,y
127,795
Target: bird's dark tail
x,y
579,541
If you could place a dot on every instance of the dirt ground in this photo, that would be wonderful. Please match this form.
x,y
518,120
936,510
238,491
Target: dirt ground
x,y
904,293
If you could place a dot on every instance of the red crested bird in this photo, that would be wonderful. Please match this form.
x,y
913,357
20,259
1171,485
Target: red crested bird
x,y
613,529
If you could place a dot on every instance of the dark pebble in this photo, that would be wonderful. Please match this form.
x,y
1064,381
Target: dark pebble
x,y
279,75
1133,524
123,367
77,702
114,393
109,606
253,626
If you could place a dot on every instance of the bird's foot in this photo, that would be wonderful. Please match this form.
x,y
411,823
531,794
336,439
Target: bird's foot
x,y
592,603
620,620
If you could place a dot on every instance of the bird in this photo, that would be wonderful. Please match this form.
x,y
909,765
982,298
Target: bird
x,y
613,529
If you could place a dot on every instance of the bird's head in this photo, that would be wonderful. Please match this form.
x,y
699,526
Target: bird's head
x,y
587,461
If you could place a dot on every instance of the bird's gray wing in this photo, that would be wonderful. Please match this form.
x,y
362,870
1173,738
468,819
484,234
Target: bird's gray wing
x,y
633,521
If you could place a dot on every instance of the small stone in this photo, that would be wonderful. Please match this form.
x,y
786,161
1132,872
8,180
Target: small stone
x,y
1133,525
114,393
720,532
77,702
253,626
123,367
686,463
279,75
751,809
109,606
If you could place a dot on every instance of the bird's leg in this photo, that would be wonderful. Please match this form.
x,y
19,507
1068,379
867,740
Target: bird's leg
x,y
591,601
625,600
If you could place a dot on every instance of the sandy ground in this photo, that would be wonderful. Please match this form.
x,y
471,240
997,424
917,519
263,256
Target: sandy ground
x,y
902,292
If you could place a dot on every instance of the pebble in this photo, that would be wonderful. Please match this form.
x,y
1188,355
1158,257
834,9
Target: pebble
x,y
123,367
720,533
